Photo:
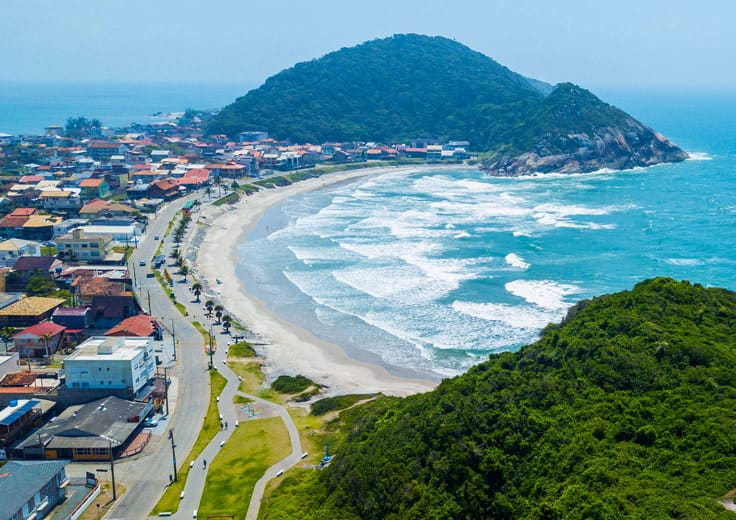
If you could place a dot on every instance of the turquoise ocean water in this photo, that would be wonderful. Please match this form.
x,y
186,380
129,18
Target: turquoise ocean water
x,y
433,271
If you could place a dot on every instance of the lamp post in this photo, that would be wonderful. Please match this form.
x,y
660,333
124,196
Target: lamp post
x,y
173,451
211,350
173,335
112,465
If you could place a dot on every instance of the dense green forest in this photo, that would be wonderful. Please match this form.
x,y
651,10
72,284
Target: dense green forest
x,y
412,86
626,409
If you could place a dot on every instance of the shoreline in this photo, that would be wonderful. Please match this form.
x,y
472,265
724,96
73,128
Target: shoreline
x,y
289,348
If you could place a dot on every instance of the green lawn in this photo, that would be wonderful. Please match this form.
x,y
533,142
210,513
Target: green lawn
x,y
170,499
241,350
254,446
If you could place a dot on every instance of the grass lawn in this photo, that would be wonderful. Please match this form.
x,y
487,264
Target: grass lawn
x,y
251,374
241,350
254,446
170,499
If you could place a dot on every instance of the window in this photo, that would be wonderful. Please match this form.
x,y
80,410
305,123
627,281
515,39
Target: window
x,y
82,451
100,451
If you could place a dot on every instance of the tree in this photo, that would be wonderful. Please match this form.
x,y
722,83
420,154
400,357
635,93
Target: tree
x,y
218,312
209,305
197,289
80,126
6,336
175,254
226,323
184,270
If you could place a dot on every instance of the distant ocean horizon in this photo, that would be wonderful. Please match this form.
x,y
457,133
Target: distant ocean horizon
x,y
28,108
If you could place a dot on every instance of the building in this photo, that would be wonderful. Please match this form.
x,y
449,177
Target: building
x,y
75,318
31,489
28,266
111,363
13,248
86,432
78,246
20,416
94,189
9,363
39,340
29,311
141,326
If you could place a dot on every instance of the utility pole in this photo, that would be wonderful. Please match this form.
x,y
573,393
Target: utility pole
x,y
112,472
166,390
149,303
173,335
211,350
173,451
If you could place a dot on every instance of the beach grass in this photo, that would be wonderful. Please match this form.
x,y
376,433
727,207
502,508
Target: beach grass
x,y
241,350
230,198
254,447
170,499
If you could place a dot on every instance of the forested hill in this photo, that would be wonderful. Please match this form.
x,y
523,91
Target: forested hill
x,y
410,86
625,410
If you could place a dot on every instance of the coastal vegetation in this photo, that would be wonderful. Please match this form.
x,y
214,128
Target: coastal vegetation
x,y
409,87
623,410
291,384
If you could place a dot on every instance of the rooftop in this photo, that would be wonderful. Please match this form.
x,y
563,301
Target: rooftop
x,y
20,480
31,306
120,348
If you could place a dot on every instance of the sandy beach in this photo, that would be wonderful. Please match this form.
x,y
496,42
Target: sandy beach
x,y
289,349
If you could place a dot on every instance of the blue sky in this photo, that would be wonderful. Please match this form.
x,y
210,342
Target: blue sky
x,y
644,43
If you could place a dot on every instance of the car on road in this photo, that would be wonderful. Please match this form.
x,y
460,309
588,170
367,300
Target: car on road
x,y
143,263
151,422
155,237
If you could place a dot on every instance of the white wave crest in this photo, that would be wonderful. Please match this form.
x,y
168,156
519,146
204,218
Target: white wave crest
x,y
515,260
544,293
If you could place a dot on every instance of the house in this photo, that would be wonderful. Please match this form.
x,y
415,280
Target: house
x,y
102,150
79,247
141,325
31,489
20,416
166,189
14,248
98,207
39,340
9,363
94,189
434,152
11,226
39,227
74,318
107,311
60,200
122,363
28,266
29,311
86,432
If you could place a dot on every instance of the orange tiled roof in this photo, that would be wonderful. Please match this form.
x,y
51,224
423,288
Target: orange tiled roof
x,y
91,183
141,325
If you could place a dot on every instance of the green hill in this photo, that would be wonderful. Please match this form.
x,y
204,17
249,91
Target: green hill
x,y
625,410
410,86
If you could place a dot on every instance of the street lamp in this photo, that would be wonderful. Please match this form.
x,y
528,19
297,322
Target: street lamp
x,y
112,464
173,451
211,351
173,335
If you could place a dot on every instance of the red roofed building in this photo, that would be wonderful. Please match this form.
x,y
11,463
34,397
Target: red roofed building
x,y
142,326
39,340
166,189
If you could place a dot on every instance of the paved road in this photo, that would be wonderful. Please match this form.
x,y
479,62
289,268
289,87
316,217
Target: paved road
x,y
146,478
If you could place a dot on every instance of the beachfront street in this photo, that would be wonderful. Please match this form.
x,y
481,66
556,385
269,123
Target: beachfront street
x,y
146,477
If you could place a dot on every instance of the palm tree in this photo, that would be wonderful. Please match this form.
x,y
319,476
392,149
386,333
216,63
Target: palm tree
x,y
175,253
209,305
218,312
184,270
197,290
226,323
6,335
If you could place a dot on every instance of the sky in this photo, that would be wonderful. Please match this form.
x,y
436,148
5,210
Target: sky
x,y
671,44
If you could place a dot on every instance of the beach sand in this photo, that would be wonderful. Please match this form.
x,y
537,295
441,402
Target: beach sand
x,y
289,349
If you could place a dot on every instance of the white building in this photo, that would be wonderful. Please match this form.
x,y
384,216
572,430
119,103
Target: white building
x,y
111,362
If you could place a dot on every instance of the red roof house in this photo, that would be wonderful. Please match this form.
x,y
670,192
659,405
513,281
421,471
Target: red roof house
x,y
39,340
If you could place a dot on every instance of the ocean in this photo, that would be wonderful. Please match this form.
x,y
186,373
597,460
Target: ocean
x,y
27,108
433,271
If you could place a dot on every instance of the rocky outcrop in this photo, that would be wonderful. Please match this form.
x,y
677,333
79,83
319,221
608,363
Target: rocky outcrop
x,y
616,148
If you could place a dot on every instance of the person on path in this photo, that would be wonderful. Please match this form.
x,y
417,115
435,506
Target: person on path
x,y
205,463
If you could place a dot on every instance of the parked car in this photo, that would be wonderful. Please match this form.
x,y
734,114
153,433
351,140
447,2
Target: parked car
x,y
151,422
